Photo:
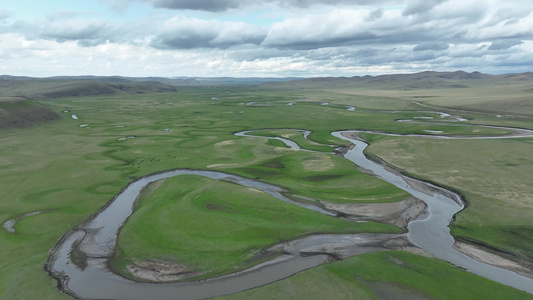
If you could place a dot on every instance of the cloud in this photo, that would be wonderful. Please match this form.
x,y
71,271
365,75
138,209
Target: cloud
x,y
421,6
360,27
207,5
435,46
339,27
224,5
182,32
76,30
504,44
4,15
306,37
310,3
375,14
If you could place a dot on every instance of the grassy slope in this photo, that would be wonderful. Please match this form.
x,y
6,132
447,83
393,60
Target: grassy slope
x,y
56,88
20,113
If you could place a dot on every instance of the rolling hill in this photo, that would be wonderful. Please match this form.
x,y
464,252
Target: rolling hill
x,y
20,113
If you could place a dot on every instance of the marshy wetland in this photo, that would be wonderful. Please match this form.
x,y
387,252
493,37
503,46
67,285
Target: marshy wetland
x,y
192,228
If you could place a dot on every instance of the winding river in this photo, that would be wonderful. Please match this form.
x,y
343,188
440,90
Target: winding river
x,y
96,238
432,234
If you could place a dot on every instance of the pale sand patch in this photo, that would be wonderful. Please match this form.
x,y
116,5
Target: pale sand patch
x,y
396,213
322,163
160,271
524,200
226,165
493,259
225,143
288,135
9,225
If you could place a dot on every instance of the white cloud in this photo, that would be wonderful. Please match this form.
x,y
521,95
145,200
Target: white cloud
x,y
315,31
182,32
309,37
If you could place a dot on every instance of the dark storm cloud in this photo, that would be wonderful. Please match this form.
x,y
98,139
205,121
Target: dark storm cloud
x,y
504,44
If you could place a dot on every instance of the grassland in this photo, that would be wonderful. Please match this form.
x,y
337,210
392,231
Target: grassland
x,y
493,175
514,99
217,227
321,177
297,137
69,172
383,275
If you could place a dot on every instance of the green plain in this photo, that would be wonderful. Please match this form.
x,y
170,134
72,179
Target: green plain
x,y
217,227
69,172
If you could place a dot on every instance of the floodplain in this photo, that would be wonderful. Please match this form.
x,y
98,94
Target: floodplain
x,y
68,169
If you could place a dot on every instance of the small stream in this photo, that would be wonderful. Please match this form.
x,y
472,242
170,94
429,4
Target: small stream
x,y
9,225
96,238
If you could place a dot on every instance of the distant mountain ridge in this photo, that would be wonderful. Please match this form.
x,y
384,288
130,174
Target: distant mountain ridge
x,y
73,86
183,80
459,74
177,81
421,80
57,87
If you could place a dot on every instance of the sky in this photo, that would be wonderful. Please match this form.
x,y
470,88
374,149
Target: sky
x,y
267,38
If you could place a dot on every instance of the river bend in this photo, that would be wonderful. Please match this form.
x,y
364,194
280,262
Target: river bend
x,y
96,238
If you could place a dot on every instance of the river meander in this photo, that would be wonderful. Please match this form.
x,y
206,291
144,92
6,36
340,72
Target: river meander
x,y
96,238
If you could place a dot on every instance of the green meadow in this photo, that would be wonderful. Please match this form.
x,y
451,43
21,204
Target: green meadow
x,y
69,168
216,227
493,175
383,275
